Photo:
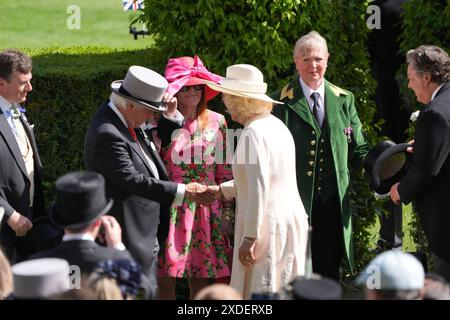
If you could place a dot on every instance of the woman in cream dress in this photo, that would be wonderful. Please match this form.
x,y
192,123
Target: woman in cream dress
x,y
271,225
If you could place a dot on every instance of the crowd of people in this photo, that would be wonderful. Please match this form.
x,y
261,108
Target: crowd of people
x,y
162,198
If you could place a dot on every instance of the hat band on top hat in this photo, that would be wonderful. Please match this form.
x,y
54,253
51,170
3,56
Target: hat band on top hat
x,y
124,91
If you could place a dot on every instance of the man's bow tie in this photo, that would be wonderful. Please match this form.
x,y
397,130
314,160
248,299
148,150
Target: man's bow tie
x,y
15,113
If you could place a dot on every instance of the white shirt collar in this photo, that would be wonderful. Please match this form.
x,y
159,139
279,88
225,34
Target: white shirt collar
x,y
116,111
5,105
436,91
307,91
77,236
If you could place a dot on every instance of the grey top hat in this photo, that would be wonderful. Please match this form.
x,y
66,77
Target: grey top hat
x,y
143,86
40,278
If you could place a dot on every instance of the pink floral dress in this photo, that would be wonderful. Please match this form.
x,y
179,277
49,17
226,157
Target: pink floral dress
x,y
195,246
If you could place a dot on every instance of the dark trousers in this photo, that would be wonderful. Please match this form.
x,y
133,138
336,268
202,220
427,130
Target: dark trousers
x,y
13,247
327,242
152,282
391,234
441,267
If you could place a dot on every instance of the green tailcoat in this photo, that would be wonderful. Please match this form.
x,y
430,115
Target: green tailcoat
x,y
310,143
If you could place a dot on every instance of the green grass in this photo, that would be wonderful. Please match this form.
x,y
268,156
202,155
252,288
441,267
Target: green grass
x,y
42,23
408,243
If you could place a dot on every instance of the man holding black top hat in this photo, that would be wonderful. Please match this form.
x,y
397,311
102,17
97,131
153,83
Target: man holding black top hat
x,y
427,181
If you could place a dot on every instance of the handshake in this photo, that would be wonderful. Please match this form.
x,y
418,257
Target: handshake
x,y
202,194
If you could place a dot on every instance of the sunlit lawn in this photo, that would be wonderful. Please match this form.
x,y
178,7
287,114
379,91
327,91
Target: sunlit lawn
x,y
42,23
408,243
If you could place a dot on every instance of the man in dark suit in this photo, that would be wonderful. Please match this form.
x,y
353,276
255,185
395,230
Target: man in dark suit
x,y
136,179
427,182
328,137
20,164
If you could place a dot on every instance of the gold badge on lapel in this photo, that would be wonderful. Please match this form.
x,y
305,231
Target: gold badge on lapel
x,y
337,91
287,93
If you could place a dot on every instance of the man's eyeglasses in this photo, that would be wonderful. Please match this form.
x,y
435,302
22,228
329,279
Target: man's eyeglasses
x,y
197,87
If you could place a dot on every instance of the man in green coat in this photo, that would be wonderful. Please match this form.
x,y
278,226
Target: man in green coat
x,y
328,137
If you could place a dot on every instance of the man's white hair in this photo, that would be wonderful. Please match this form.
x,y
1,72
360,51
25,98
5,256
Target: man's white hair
x,y
310,42
121,102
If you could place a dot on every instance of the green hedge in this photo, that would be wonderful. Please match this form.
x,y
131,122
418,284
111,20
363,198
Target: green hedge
x,y
68,86
263,33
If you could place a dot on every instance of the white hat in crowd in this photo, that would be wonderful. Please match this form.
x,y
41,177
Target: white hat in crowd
x,y
393,270
40,278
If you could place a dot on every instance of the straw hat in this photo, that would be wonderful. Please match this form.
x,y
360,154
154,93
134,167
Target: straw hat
x,y
244,80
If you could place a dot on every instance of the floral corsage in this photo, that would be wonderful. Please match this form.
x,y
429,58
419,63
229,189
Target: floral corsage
x,y
348,132
414,116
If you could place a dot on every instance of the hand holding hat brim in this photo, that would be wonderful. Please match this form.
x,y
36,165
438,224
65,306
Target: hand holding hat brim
x,y
399,148
385,164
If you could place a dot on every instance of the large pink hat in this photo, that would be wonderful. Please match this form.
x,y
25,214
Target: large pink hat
x,y
188,71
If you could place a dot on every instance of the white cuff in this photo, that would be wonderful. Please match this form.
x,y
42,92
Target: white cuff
x,y
120,247
2,212
380,196
228,189
178,201
178,119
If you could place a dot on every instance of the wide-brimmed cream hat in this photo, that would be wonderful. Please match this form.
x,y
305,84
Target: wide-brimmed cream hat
x,y
143,86
244,80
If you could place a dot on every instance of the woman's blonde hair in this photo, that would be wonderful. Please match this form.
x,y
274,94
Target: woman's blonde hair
x,y
246,108
218,291
106,288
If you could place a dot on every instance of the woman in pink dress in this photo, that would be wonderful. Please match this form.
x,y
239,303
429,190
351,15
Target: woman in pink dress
x,y
192,147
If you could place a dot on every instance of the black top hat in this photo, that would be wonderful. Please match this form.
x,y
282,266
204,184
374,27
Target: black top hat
x,y
385,165
80,199
316,289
